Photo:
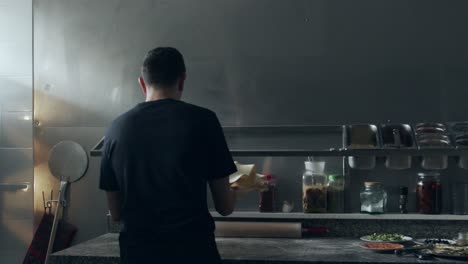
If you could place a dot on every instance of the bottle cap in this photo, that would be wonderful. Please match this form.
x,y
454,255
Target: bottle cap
x,y
335,177
371,184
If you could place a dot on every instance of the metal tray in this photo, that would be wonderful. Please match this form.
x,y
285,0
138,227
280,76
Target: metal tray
x,y
429,140
461,141
430,128
407,139
459,128
362,136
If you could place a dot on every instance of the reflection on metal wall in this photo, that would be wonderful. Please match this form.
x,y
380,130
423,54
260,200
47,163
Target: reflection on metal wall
x,y
263,62
16,154
257,62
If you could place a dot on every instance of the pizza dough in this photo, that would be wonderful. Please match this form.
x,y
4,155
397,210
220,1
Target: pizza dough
x,y
244,178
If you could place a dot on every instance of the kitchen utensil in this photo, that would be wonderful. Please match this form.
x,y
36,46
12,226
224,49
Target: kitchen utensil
x,y
68,162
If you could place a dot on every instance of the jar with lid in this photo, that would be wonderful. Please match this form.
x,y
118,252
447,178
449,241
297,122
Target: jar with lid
x,y
314,188
429,193
335,194
373,198
268,195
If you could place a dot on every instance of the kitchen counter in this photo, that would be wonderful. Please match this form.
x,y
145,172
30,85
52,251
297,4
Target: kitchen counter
x,y
104,250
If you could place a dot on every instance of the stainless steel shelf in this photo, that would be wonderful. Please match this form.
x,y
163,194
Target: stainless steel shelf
x,y
9,187
338,152
256,216
259,133
353,152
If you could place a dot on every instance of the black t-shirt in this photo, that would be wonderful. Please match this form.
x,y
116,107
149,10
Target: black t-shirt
x,y
160,156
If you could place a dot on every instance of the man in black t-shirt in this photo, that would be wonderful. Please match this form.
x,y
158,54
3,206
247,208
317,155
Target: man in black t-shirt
x,y
158,159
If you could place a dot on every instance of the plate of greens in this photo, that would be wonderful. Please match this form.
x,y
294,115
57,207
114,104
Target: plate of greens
x,y
386,237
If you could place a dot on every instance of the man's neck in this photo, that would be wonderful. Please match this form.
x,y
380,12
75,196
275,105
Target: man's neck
x,y
155,95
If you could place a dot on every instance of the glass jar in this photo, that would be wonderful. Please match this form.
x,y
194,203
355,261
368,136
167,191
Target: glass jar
x,y
314,188
429,193
373,198
335,194
268,195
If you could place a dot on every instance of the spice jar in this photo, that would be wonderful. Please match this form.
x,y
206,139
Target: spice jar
x,y
373,198
268,195
335,194
314,188
429,193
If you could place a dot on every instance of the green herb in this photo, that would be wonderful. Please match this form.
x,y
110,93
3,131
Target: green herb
x,y
385,237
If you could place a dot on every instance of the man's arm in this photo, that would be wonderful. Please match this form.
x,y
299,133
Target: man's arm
x,y
217,152
108,182
113,203
224,197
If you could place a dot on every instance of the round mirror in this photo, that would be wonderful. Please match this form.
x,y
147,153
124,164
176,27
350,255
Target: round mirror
x,y
68,161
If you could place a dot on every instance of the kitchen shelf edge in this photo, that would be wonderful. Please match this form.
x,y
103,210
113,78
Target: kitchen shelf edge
x,y
257,216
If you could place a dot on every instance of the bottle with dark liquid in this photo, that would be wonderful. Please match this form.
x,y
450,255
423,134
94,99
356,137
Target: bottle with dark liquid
x,y
268,195
429,193
335,194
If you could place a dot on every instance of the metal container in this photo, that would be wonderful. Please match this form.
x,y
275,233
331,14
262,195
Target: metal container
x,y
434,162
461,141
362,137
430,128
460,128
397,136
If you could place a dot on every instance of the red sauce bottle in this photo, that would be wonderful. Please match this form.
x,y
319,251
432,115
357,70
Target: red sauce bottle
x,y
268,195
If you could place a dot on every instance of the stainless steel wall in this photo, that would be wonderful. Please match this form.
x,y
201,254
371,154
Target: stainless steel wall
x,y
16,154
263,62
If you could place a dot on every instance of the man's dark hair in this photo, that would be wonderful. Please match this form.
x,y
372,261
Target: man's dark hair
x,y
162,66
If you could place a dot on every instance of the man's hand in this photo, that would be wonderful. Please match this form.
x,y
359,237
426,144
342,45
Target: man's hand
x,y
224,197
113,202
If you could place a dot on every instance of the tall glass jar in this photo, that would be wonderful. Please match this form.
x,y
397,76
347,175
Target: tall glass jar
x,y
373,198
335,194
429,193
314,188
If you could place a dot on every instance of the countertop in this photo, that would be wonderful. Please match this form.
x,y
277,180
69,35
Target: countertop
x,y
104,250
